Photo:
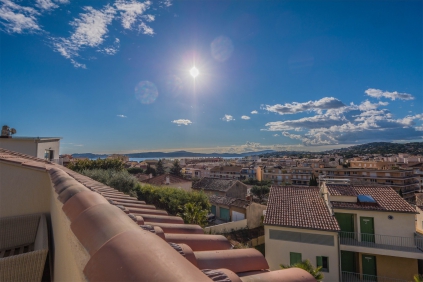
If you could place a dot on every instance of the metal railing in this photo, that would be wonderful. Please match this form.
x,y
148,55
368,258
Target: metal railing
x,y
357,277
408,244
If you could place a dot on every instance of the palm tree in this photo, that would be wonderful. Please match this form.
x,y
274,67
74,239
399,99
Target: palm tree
x,y
418,278
193,214
307,266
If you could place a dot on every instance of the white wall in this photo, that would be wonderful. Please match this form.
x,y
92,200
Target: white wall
x,y
26,146
403,224
277,251
42,146
23,190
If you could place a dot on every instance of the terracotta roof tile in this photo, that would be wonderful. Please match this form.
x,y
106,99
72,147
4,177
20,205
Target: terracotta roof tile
x,y
228,201
214,184
161,180
387,199
300,207
120,250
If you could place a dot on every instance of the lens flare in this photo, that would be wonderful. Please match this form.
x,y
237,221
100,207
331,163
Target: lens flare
x,y
173,85
146,92
194,72
222,48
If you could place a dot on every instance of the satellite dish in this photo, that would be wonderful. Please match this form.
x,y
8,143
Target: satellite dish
x,y
12,131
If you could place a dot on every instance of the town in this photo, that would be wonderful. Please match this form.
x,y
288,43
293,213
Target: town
x,y
343,219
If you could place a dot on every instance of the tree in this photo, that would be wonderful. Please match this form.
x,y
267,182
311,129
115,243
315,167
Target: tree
x,y
151,170
260,191
176,169
313,181
307,266
193,214
159,169
418,278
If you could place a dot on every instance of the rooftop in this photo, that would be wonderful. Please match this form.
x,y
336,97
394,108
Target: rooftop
x,y
161,180
299,207
386,198
214,184
228,201
119,238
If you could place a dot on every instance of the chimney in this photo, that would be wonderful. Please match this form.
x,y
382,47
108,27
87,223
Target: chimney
x,y
150,175
167,180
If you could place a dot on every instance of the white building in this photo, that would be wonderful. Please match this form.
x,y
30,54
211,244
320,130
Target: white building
x,y
353,232
40,147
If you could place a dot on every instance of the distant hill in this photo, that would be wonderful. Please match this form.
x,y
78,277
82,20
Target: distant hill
x,y
382,148
176,154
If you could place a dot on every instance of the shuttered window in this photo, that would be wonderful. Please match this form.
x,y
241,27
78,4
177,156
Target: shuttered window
x,y
294,258
323,262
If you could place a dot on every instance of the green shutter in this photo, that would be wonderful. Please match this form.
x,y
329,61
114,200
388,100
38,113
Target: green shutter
x,y
294,258
319,261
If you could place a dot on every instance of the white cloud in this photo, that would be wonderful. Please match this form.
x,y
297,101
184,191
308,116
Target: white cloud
x,y
325,103
90,31
228,118
345,125
122,116
46,4
131,12
377,93
254,112
245,117
167,3
18,19
180,122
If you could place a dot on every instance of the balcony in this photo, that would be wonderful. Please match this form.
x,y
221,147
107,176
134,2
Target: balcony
x,y
396,243
357,277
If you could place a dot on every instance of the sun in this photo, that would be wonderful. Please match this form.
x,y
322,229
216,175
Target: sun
x,y
194,72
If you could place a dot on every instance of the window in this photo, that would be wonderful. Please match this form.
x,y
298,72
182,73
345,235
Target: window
x,y
323,262
294,258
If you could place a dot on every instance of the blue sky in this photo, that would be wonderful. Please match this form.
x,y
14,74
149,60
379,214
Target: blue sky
x,y
114,76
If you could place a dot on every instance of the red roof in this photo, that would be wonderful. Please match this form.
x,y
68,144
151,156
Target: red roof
x,y
386,198
120,250
299,207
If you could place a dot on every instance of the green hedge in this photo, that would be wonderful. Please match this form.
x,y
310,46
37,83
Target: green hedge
x,y
120,180
81,165
172,199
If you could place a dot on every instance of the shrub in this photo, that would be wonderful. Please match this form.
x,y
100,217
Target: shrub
x,y
113,164
172,199
120,180
135,170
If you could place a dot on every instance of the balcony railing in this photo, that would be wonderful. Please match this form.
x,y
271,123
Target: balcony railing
x,y
357,277
407,244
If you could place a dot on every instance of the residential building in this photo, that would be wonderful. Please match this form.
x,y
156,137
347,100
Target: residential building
x,y
252,172
39,147
353,231
277,175
169,180
228,208
96,233
221,187
226,172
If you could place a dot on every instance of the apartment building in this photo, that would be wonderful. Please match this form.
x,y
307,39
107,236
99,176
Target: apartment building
x,y
404,180
226,172
277,175
252,172
356,233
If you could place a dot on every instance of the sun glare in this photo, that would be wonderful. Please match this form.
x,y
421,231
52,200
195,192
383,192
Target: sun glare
x,y
194,72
